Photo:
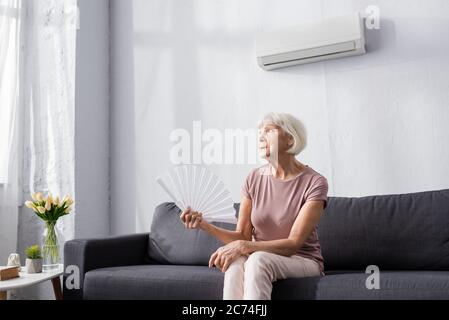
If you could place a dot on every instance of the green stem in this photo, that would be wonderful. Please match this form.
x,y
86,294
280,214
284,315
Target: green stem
x,y
50,248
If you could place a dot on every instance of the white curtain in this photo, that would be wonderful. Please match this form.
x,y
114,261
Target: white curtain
x,y
9,101
37,99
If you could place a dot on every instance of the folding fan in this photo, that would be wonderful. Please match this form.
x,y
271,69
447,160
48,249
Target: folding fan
x,y
201,190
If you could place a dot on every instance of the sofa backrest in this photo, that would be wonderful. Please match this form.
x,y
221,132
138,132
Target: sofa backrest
x,y
395,232
170,242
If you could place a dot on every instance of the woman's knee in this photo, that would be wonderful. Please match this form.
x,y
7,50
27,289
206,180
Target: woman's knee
x,y
258,257
258,262
237,264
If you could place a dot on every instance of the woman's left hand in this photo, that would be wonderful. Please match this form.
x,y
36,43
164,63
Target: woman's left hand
x,y
224,256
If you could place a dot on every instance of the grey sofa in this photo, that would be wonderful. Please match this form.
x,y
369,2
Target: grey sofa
x,y
405,235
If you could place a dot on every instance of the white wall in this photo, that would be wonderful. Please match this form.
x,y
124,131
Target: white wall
x,y
122,118
92,118
376,122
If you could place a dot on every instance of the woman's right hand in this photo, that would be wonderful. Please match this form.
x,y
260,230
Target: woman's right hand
x,y
192,219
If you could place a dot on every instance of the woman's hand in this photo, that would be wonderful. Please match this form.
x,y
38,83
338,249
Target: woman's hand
x,y
224,256
192,219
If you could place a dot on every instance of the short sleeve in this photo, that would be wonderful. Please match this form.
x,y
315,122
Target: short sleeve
x,y
246,187
318,191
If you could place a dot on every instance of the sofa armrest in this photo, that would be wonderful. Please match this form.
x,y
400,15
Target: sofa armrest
x,y
89,254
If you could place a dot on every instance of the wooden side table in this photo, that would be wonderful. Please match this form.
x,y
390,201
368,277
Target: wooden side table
x,y
26,280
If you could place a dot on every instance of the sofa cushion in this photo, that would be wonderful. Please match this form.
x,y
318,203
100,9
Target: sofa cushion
x,y
395,232
203,283
394,285
171,243
154,282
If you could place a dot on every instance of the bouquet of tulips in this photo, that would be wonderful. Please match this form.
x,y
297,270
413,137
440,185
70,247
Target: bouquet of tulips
x,y
50,209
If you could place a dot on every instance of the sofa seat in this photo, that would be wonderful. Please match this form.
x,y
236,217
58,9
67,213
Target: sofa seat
x,y
204,283
154,282
342,285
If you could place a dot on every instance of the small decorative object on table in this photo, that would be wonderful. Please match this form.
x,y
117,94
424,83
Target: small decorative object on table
x,y
50,209
14,260
10,272
34,259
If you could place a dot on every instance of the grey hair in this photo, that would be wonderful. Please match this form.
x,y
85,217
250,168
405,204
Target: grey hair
x,y
289,124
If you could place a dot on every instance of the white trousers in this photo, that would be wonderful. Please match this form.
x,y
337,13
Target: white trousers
x,y
251,278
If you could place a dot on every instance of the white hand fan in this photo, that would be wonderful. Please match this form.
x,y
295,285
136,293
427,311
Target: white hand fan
x,y
199,188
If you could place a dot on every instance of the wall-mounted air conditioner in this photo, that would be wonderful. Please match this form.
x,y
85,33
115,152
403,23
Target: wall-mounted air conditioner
x,y
331,38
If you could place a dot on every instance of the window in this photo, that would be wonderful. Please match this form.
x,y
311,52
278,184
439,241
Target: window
x,y
9,59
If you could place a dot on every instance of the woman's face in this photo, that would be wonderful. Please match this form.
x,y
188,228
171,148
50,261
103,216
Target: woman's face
x,y
273,141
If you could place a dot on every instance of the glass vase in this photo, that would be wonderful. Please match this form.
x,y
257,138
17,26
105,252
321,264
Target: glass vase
x,y
51,247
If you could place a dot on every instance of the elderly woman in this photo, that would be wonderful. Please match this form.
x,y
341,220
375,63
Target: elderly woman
x,y
281,205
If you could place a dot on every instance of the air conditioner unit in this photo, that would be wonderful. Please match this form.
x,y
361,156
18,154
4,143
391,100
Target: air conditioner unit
x,y
331,38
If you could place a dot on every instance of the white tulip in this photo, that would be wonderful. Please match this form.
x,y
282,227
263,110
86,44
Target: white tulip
x,y
41,209
48,204
29,204
38,196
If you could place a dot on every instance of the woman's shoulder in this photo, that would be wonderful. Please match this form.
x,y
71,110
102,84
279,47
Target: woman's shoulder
x,y
258,172
316,176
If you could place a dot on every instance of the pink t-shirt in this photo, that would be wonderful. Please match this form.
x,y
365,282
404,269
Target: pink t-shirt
x,y
276,204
